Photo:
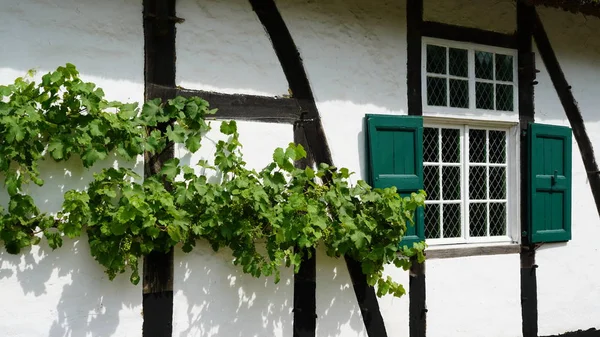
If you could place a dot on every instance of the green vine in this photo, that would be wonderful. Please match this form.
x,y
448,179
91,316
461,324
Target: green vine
x,y
268,218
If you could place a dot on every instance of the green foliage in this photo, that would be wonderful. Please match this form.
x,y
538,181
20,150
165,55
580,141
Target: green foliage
x,y
262,216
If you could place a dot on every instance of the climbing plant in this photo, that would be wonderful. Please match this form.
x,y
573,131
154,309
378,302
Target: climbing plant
x,y
267,218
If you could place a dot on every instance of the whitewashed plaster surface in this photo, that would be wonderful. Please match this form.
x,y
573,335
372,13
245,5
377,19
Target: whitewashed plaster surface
x,y
223,47
567,276
66,292
496,15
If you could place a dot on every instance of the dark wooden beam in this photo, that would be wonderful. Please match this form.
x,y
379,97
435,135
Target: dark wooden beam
x,y
414,24
563,89
449,253
159,68
417,311
237,106
367,300
526,78
308,131
465,34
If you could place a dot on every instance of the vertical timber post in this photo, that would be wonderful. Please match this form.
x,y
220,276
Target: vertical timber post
x,y
417,285
159,68
526,79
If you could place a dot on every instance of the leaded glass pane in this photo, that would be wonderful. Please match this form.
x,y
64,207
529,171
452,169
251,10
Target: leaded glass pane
x,y
458,62
477,183
432,221
459,93
484,95
452,221
436,91
497,147
477,146
450,145
431,182
497,218
484,65
504,68
431,141
436,59
478,219
504,97
451,183
497,183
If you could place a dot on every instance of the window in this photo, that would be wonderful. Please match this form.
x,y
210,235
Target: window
x,y
468,172
465,77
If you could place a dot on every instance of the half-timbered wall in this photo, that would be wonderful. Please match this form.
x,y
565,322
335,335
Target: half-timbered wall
x,y
355,56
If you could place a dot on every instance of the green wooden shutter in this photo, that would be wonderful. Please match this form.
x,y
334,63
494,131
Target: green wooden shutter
x,y
549,201
395,152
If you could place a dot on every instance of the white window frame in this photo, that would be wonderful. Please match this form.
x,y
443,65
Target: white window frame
x,y
512,188
472,111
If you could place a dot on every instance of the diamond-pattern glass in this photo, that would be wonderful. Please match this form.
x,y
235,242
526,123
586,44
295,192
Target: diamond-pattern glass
x,y
431,141
484,95
504,97
432,221
497,147
478,219
477,183
458,60
452,221
504,68
497,218
451,183
484,65
431,182
436,59
459,93
497,183
436,91
450,145
477,146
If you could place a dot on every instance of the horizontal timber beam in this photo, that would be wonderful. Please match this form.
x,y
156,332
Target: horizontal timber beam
x,y
238,106
465,34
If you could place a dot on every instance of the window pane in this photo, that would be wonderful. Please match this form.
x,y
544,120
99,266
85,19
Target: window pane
x,y
451,183
477,183
459,93
504,68
484,94
484,65
497,219
477,146
451,221
478,219
432,221
458,62
497,183
431,182
436,91
450,145
504,97
498,147
436,59
430,145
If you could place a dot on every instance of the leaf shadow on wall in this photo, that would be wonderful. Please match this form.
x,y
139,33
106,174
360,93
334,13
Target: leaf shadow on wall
x,y
65,289
215,298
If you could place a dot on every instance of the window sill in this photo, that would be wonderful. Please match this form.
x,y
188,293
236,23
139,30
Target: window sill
x,y
463,250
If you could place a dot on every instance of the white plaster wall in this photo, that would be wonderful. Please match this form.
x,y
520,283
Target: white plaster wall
x,y
567,276
65,292
223,47
474,296
496,15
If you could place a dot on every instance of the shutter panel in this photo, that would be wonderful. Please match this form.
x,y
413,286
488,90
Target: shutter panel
x,y
549,194
395,152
